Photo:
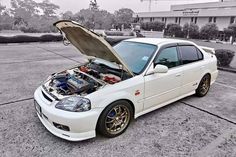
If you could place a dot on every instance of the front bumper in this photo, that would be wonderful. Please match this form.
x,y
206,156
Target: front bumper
x,y
81,125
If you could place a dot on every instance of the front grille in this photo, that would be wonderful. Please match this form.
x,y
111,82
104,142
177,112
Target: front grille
x,y
46,97
53,96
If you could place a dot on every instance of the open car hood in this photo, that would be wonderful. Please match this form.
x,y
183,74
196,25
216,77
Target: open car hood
x,y
89,43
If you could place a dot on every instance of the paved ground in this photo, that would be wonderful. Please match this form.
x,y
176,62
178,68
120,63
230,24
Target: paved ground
x,y
190,127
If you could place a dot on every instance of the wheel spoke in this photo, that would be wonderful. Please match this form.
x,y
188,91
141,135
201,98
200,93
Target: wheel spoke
x,y
112,120
113,125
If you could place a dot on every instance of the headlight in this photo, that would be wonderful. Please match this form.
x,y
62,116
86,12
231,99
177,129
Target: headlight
x,y
74,104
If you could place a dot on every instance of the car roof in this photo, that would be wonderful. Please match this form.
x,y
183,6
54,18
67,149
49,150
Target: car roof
x,y
158,41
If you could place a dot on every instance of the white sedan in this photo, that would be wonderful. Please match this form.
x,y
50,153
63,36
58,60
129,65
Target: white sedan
x,y
117,84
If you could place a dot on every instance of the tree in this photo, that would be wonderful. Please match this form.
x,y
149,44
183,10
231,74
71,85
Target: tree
x,y
124,17
191,30
2,8
95,19
93,5
28,6
48,8
209,31
30,16
68,15
232,28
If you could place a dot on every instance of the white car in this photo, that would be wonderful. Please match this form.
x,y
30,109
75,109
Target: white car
x,y
119,83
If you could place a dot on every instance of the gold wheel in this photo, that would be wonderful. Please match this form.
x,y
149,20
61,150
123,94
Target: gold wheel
x,y
117,119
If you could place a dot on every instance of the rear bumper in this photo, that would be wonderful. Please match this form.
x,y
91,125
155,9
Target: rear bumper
x,y
214,76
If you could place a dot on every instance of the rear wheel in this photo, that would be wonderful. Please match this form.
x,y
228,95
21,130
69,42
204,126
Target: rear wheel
x,y
203,86
115,119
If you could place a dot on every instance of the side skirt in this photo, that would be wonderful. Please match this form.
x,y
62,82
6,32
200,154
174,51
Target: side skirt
x,y
163,104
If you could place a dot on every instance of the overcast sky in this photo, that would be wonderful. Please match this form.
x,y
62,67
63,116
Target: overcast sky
x,y
112,5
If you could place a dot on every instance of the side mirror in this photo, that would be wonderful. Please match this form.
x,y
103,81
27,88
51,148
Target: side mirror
x,y
158,69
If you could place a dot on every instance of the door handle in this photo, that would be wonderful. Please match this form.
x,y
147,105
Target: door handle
x,y
178,75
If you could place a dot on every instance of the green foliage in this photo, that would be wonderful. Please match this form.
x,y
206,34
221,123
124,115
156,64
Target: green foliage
x,y
31,17
228,32
26,38
2,8
6,21
174,30
48,8
191,30
209,31
232,28
224,57
38,16
68,15
93,5
94,19
124,17
155,26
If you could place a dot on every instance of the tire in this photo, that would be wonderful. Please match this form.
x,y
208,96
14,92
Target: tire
x,y
115,119
203,86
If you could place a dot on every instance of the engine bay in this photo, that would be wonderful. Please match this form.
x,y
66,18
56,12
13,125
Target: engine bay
x,y
84,79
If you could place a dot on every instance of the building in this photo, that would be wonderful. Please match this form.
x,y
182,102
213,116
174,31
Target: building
x,y
221,13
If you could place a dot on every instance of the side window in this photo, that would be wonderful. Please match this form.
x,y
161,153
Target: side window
x,y
190,54
168,57
200,55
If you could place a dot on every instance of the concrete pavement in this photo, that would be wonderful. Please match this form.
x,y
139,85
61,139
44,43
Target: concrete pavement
x,y
190,127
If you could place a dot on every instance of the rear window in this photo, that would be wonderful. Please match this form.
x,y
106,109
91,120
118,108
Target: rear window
x,y
190,54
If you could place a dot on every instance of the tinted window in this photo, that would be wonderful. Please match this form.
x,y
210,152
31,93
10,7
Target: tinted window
x,y
189,54
136,55
168,57
200,55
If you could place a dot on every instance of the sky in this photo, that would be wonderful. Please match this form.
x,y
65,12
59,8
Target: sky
x,y
112,5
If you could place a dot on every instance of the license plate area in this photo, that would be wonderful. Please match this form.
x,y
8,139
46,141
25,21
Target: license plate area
x,y
38,108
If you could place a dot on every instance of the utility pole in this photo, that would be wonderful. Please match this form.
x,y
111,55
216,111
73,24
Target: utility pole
x,y
150,4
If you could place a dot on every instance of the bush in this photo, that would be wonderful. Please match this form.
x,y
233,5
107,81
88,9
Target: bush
x,y
25,38
224,57
49,37
209,31
174,30
5,26
114,33
155,26
192,30
232,27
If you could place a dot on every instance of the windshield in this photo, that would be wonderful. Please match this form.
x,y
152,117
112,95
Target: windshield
x,y
135,55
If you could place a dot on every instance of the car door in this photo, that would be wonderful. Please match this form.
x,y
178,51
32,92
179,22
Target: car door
x,y
192,65
162,87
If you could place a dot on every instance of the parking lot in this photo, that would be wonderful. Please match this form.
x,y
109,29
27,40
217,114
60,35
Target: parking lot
x,y
190,127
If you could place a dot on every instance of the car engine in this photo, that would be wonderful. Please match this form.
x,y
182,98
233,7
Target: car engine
x,y
84,79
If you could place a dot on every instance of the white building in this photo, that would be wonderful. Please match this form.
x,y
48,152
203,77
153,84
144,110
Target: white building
x,y
221,13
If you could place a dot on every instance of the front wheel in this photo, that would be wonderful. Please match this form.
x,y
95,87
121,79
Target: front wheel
x,y
203,86
115,119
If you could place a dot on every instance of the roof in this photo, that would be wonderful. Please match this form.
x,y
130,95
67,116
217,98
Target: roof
x,y
157,41
214,9
206,5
